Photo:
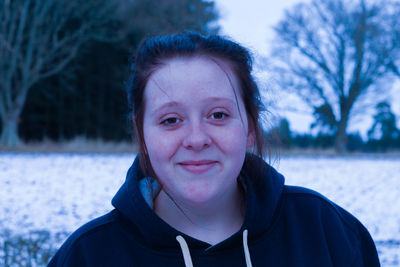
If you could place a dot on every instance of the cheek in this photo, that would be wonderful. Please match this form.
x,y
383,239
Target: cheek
x,y
232,139
160,145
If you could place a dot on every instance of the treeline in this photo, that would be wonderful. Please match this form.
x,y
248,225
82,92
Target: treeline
x,y
383,135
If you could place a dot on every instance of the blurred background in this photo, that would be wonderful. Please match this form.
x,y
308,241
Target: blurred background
x,y
328,69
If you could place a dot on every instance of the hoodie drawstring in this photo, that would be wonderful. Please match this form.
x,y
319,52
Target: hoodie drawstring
x,y
185,251
246,249
188,259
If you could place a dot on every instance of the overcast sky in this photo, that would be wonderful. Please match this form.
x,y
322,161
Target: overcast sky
x,y
250,23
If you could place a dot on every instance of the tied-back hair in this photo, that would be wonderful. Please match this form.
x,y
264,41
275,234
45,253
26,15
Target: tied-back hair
x,y
154,52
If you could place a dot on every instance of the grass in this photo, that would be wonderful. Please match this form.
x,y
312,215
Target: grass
x,y
76,145
330,152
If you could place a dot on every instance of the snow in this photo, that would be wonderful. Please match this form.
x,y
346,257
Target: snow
x,y
60,192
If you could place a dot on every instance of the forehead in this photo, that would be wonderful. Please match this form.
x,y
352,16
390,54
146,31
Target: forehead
x,y
184,78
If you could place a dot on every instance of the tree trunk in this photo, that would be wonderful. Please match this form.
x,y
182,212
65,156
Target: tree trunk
x,y
9,135
341,137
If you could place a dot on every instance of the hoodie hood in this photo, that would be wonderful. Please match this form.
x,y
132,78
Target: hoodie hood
x,y
263,188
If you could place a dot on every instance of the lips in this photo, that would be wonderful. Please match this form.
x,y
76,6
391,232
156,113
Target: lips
x,y
197,166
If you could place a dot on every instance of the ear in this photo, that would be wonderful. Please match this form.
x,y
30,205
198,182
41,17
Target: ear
x,y
251,136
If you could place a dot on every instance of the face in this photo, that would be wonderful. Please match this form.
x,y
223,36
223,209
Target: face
x,y
195,129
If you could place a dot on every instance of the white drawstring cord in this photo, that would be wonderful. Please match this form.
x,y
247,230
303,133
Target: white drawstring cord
x,y
246,249
188,259
185,251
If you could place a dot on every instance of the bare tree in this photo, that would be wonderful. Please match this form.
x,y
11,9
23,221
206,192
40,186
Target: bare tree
x,y
338,55
39,39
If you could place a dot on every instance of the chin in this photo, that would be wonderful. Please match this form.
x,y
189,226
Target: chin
x,y
198,197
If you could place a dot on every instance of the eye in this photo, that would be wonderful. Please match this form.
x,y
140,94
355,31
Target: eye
x,y
219,115
170,121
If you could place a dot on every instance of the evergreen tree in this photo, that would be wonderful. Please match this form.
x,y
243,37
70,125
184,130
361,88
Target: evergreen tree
x,y
384,132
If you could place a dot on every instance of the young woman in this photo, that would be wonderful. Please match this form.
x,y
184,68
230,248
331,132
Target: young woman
x,y
199,192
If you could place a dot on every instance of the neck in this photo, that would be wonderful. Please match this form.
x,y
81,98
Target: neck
x,y
211,222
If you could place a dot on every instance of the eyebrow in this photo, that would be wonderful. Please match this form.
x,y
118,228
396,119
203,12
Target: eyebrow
x,y
166,105
222,99
208,100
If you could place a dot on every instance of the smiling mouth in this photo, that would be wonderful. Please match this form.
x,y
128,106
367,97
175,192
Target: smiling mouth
x,y
197,167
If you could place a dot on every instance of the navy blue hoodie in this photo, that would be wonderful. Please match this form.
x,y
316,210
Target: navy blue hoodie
x,y
286,226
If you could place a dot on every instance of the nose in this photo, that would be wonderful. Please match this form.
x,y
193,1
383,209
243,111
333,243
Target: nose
x,y
197,137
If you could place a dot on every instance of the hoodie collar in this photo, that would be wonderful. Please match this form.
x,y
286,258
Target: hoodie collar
x,y
262,186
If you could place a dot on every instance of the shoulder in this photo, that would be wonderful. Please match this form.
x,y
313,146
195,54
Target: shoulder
x,y
343,232
314,204
304,198
88,236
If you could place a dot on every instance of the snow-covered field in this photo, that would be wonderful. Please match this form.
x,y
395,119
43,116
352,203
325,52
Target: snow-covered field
x,y
59,192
